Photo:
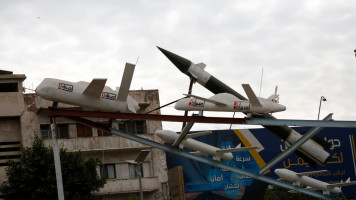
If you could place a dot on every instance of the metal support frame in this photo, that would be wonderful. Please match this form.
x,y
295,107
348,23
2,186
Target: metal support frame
x,y
180,152
57,159
200,119
307,123
182,135
308,135
207,161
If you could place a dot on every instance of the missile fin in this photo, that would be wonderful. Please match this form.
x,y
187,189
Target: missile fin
x,y
193,135
230,150
95,87
293,191
126,82
201,65
347,183
251,95
311,188
198,153
311,172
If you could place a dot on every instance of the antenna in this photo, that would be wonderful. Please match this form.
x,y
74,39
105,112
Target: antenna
x,y
137,60
261,83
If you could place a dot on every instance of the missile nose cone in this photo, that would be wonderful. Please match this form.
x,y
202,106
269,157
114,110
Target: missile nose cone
x,y
159,132
181,63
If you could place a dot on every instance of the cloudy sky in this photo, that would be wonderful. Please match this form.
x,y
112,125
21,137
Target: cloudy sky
x,y
304,47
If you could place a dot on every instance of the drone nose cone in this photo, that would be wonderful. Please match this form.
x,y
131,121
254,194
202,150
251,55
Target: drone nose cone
x,y
283,107
41,91
181,104
181,63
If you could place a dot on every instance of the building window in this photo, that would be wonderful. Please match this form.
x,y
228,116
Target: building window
x,y
45,131
84,131
9,87
62,131
132,170
108,171
103,133
133,127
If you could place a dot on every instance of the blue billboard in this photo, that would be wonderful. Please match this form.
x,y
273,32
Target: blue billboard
x,y
206,182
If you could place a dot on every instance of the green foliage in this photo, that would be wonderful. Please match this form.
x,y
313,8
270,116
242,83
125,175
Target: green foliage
x,y
279,193
132,197
33,177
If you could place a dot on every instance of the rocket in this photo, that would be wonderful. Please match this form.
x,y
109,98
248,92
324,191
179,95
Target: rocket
x,y
200,147
311,183
311,151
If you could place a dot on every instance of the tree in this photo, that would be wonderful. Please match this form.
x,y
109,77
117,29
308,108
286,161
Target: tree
x,y
277,193
33,177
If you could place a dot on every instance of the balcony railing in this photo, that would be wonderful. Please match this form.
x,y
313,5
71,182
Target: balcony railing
x,y
149,184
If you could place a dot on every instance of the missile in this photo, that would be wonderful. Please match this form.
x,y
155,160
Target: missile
x,y
200,147
313,152
94,95
313,184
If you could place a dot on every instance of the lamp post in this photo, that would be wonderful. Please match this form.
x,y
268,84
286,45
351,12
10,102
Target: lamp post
x,y
139,160
322,98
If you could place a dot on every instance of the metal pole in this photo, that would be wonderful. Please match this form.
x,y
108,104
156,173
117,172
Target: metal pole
x,y
57,160
138,171
189,92
322,98
308,135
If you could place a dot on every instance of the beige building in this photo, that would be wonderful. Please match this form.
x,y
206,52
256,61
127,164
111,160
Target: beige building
x,y
23,115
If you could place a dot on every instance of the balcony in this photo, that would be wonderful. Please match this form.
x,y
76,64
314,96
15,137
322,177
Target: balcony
x,y
149,184
109,143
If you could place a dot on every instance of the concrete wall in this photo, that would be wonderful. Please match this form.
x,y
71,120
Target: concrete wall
x,y
10,129
12,108
12,103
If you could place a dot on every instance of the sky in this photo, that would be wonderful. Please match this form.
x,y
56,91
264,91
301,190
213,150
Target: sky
x,y
304,47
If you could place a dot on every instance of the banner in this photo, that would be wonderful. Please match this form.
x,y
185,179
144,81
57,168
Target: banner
x,y
206,182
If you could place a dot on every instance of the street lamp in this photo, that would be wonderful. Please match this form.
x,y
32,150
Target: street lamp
x,y
139,160
322,98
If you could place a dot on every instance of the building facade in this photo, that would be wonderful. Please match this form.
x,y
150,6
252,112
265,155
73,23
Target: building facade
x,y
23,115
